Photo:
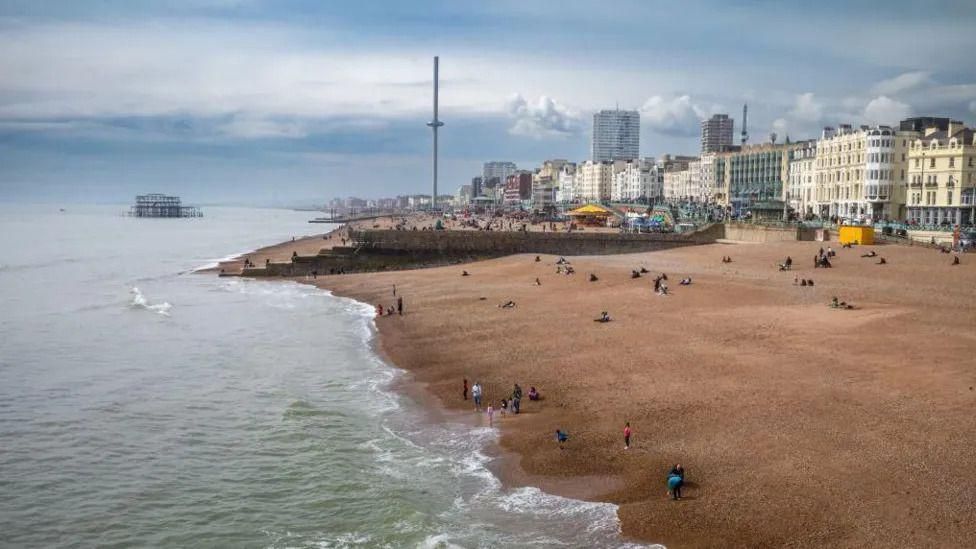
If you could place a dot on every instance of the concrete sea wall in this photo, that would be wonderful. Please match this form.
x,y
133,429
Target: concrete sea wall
x,y
383,250
507,242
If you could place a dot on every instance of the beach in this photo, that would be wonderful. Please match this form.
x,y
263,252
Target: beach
x,y
797,424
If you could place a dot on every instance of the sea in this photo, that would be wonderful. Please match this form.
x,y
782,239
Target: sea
x,y
146,404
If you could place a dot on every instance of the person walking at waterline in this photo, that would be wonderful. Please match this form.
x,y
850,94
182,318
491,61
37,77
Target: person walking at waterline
x,y
627,433
476,395
464,391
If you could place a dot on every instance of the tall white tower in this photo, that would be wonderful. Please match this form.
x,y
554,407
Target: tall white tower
x,y
434,124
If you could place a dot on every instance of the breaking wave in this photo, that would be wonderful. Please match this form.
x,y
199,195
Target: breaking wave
x,y
139,301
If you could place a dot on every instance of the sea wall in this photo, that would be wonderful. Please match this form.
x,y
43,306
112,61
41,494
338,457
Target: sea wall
x,y
383,250
748,232
496,243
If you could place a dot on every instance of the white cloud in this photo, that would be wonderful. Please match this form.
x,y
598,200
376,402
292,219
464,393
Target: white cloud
x,y
676,116
903,82
543,119
804,118
807,108
884,110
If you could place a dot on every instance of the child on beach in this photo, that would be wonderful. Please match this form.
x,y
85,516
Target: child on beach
x,y
504,406
491,415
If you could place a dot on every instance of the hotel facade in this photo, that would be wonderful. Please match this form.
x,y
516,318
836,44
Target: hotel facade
x,y
941,168
861,173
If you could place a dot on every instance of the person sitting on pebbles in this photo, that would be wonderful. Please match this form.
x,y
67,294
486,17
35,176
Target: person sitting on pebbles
x,y
635,274
507,305
836,304
465,273
604,317
593,277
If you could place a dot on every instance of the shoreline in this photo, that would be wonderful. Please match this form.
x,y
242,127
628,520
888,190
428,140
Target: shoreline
x,y
706,414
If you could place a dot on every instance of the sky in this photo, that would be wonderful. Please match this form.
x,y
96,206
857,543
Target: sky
x,y
292,102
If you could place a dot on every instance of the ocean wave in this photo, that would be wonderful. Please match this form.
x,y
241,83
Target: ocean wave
x,y
139,301
213,264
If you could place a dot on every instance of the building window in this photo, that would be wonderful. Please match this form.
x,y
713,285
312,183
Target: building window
x,y
918,163
931,162
952,161
949,198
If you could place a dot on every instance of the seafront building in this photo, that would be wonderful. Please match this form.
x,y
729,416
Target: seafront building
x,y
463,196
518,188
545,182
801,190
596,179
494,174
636,182
476,184
716,133
568,188
942,188
753,175
616,136
861,172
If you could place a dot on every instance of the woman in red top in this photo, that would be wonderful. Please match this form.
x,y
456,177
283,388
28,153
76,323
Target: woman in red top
x,y
627,436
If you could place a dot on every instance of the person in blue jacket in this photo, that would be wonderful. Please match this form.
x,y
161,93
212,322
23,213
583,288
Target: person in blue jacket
x,y
676,478
561,438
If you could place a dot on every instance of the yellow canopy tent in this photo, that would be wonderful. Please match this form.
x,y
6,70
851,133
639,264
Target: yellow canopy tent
x,y
591,214
590,210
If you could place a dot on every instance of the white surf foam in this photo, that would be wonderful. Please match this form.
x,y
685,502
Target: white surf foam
x,y
213,264
139,301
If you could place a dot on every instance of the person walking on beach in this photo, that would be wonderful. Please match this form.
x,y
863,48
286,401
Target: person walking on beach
x,y
516,399
476,395
394,290
491,415
400,305
464,391
627,433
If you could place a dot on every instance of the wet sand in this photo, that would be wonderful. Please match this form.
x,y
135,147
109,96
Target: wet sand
x,y
797,424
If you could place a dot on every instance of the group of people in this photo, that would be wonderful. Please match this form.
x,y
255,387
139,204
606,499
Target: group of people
x,y
797,281
872,253
388,311
513,403
822,259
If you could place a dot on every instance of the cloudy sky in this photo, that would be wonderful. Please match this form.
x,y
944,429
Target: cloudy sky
x,y
294,101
